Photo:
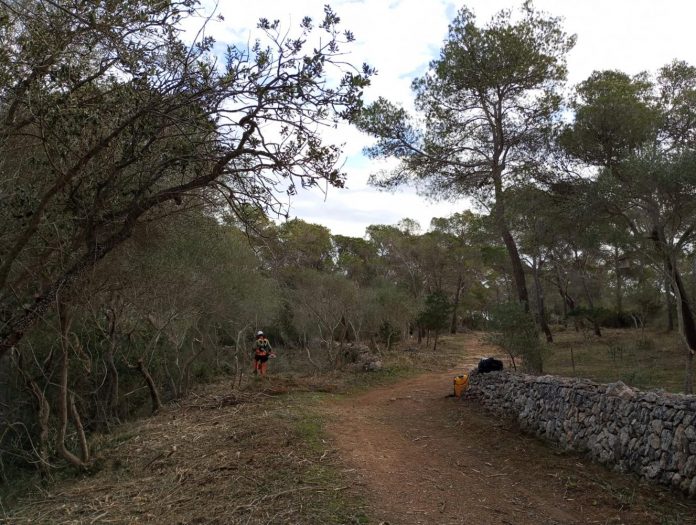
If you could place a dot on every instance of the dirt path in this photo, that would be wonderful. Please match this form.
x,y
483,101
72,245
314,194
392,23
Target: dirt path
x,y
427,459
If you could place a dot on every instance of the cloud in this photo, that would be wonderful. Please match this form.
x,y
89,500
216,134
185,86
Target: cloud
x,y
349,211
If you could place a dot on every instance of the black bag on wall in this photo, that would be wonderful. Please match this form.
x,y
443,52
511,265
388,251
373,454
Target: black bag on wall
x,y
490,364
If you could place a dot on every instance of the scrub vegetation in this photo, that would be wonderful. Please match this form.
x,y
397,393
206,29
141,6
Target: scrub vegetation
x,y
145,237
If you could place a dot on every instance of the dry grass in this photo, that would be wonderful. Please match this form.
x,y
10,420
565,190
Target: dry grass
x,y
255,456
223,455
645,360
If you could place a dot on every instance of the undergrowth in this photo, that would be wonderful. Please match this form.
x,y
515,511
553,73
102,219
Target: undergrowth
x,y
255,454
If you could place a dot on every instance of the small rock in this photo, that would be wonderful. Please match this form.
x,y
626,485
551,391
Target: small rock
x,y
666,442
690,467
655,442
651,471
621,390
690,432
676,480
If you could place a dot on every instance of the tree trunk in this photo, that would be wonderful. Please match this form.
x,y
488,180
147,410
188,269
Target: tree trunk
x,y
510,244
541,309
518,276
669,304
569,306
687,327
437,334
13,332
112,371
43,412
685,314
455,305
112,384
590,303
77,421
619,282
356,331
185,375
689,376
568,301
309,355
63,414
344,331
237,350
63,410
154,393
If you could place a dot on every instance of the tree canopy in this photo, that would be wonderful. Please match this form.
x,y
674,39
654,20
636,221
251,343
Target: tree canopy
x,y
109,120
485,107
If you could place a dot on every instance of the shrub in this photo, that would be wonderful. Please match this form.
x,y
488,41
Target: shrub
x,y
388,334
517,334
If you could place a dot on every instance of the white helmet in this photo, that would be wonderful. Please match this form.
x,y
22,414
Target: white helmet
x,y
259,333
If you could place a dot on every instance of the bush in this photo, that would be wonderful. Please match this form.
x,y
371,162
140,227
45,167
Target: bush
x,y
605,317
388,334
475,320
517,334
436,312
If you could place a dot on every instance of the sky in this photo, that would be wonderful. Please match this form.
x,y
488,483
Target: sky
x,y
400,37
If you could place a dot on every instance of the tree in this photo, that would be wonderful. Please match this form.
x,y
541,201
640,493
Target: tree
x,y
155,309
487,103
517,334
639,136
323,304
304,245
529,218
108,121
458,234
435,314
400,257
356,258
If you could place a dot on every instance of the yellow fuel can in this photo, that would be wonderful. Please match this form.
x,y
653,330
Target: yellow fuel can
x,y
461,384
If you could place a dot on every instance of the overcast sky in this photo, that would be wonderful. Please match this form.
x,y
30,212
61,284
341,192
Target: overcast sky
x,y
400,37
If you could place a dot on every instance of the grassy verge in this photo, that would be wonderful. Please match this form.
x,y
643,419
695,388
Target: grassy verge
x,y
253,457
645,360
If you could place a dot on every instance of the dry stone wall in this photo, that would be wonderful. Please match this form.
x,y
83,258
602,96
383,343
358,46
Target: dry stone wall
x,y
650,433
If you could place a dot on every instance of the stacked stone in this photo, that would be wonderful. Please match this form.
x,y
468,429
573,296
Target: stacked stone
x,y
361,358
651,433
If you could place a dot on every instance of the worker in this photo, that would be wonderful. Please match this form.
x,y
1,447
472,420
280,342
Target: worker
x,y
262,352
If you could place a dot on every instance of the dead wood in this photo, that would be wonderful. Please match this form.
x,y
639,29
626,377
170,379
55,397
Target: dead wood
x,y
152,387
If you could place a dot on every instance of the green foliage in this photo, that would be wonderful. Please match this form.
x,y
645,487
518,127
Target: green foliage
x,y
128,190
389,305
388,334
436,312
603,316
283,330
487,108
638,133
110,121
517,335
305,245
613,117
356,258
494,81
